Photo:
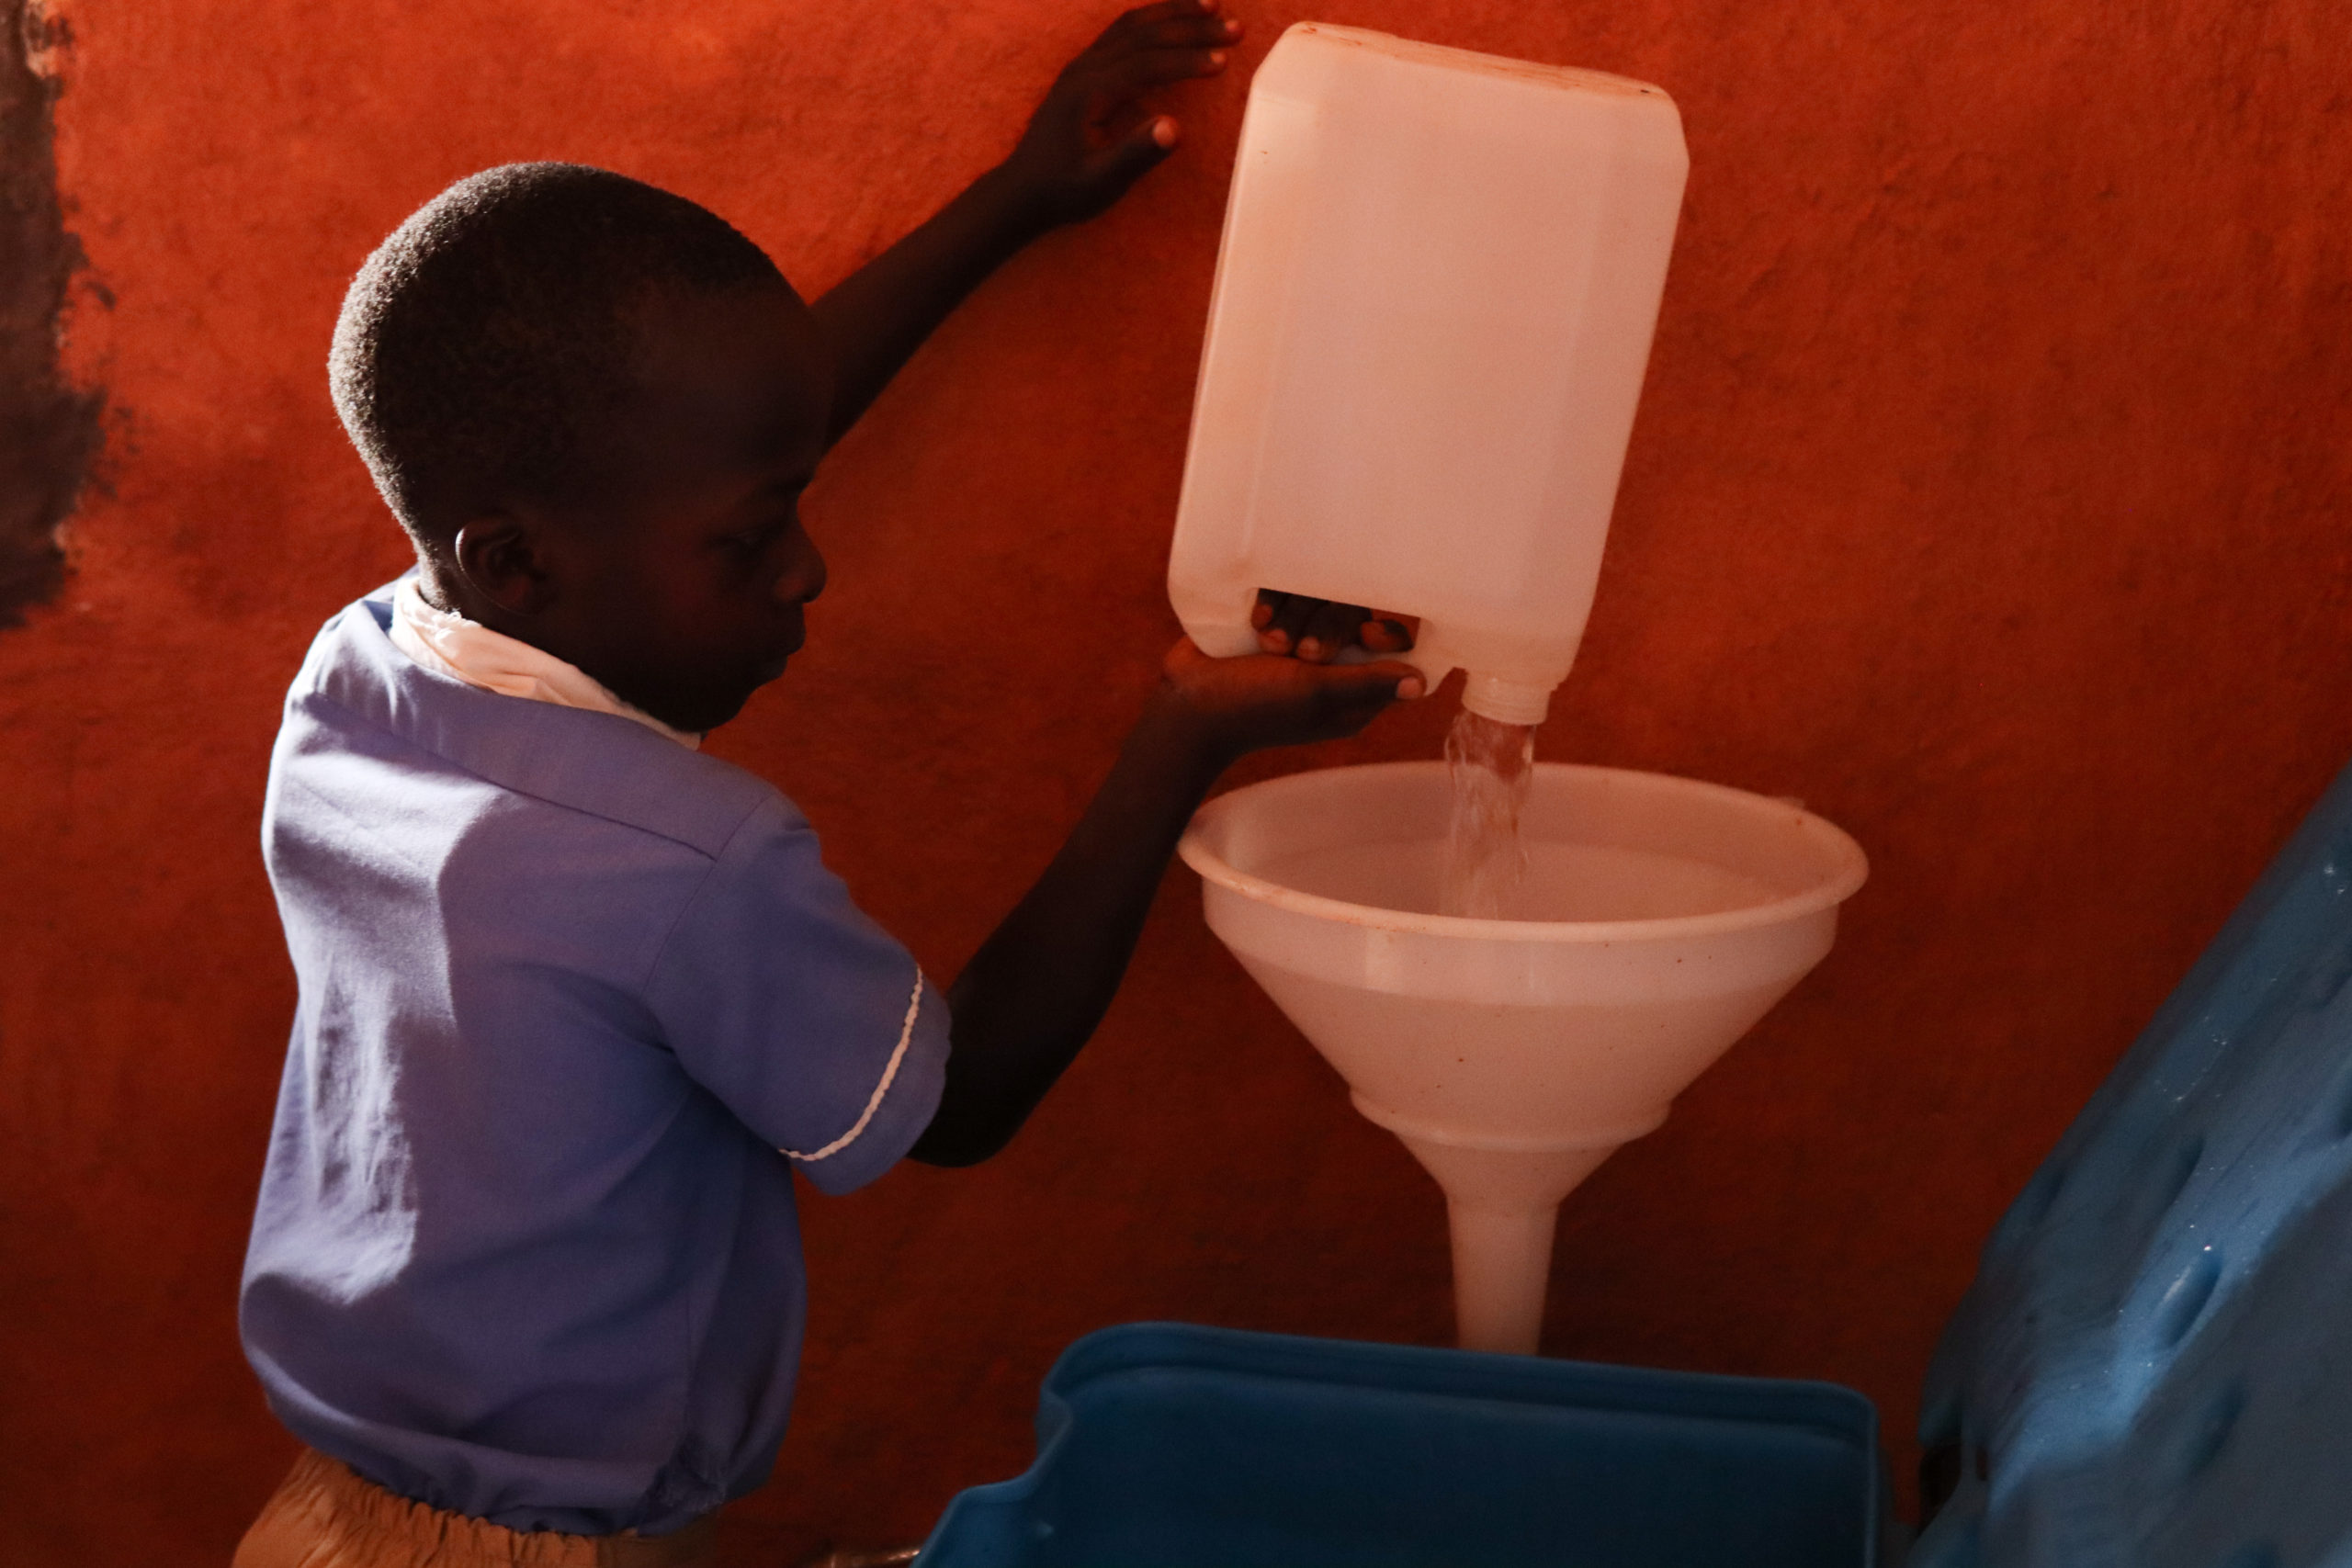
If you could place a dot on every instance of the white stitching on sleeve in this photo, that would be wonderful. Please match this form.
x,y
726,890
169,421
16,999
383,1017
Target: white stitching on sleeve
x,y
906,1033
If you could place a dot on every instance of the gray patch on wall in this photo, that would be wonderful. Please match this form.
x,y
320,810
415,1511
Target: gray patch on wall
x,y
49,430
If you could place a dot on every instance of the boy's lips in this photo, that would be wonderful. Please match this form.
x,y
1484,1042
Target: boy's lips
x,y
773,665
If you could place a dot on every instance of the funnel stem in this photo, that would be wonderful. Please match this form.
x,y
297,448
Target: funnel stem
x,y
1503,1264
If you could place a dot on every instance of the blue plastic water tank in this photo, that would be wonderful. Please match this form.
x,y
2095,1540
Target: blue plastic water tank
x,y
2154,1367
1164,1446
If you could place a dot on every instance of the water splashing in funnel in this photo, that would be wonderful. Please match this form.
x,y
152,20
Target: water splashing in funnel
x,y
1490,765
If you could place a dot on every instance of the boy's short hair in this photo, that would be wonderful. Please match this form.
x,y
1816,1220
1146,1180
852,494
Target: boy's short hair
x,y
483,340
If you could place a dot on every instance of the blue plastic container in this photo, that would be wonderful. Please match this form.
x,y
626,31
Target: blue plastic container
x,y
1166,1445
2154,1367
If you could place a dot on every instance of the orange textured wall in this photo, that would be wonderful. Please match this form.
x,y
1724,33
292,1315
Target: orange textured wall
x,y
1987,494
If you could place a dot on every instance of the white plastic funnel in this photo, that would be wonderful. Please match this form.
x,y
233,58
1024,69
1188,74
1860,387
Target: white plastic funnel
x,y
1512,1056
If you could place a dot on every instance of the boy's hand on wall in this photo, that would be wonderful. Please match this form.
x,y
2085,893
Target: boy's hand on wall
x,y
1238,705
1086,145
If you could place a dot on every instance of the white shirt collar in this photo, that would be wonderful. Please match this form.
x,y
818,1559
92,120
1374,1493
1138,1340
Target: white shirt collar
x,y
469,651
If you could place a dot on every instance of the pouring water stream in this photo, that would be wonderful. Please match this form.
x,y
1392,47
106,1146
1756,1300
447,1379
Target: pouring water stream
x,y
1491,766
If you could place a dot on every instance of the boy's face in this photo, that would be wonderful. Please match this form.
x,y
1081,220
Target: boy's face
x,y
679,582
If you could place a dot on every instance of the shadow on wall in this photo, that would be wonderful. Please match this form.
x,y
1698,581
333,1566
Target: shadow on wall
x,y
49,432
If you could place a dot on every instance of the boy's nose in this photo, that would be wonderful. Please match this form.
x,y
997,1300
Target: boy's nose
x,y
805,578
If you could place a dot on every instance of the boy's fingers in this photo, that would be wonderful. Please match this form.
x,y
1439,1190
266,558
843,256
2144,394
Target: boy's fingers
x,y
1266,618
1195,31
1403,682
1125,160
1128,24
1143,16
1133,75
1327,631
1290,623
1318,630
1365,689
1386,631
1182,657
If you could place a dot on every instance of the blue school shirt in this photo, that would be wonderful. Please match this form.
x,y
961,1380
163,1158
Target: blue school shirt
x,y
574,1002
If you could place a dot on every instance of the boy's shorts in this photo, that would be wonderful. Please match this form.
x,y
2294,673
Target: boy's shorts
x,y
325,1515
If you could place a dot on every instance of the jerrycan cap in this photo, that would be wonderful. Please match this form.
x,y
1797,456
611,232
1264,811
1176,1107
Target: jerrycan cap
x,y
1504,700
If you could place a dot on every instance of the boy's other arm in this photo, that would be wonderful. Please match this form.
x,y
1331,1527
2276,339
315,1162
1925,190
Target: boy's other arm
x,y
1077,156
1033,994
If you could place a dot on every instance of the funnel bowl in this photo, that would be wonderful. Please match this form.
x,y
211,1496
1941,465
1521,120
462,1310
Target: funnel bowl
x,y
1511,1056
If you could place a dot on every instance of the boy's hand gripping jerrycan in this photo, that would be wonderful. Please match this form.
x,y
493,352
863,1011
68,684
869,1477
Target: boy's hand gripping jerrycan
x,y
1433,305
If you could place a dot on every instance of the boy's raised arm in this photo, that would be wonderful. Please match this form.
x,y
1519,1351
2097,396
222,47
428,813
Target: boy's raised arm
x,y
1033,994
1077,156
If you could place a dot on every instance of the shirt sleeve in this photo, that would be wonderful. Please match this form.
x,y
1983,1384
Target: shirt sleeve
x,y
810,1021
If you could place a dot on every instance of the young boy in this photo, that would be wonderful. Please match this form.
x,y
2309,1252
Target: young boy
x,y
575,1000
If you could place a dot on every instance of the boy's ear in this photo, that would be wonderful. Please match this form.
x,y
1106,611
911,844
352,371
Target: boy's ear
x,y
503,561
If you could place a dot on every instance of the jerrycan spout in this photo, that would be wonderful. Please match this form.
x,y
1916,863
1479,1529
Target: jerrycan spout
x,y
1505,700
1508,680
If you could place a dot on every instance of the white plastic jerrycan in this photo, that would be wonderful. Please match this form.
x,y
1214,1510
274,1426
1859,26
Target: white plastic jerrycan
x,y
1434,306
